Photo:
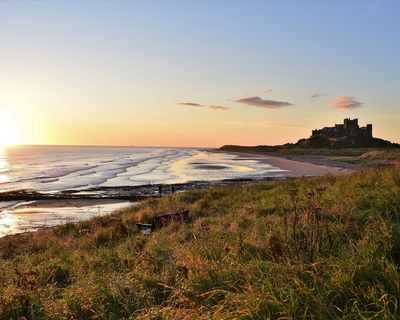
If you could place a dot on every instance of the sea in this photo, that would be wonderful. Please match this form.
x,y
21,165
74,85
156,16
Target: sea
x,y
60,168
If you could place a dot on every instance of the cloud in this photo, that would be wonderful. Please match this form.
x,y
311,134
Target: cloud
x,y
189,104
219,108
261,103
317,95
345,102
268,90
198,105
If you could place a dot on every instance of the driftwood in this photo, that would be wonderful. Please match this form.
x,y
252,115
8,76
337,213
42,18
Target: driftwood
x,y
160,221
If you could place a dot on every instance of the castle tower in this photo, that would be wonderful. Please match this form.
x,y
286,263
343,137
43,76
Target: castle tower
x,y
368,129
350,124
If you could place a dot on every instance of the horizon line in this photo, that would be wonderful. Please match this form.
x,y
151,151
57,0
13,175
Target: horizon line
x,y
97,145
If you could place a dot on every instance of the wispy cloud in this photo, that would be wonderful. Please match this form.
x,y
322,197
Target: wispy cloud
x,y
189,104
317,95
262,103
222,108
345,102
198,105
268,90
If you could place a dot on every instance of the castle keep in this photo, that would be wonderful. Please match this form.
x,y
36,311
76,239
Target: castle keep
x,y
349,128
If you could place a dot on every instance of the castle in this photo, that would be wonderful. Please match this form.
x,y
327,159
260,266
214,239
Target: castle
x,y
349,128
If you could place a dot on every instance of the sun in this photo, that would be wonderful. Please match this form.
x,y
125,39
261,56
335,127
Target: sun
x,y
8,130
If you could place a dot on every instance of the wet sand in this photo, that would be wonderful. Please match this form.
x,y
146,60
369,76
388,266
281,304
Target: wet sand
x,y
35,215
69,203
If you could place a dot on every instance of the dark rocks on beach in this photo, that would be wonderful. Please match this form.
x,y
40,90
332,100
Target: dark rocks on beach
x,y
130,193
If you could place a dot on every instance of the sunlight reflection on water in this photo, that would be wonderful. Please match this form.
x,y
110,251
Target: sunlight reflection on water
x,y
60,168
32,216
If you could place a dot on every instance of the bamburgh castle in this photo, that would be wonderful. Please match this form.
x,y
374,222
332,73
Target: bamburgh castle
x,y
349,128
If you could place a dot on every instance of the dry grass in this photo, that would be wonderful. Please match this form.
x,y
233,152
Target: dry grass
x,y
321,248
372,158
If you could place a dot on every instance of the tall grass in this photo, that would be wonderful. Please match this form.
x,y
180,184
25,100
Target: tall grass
x,y
317,248
371,158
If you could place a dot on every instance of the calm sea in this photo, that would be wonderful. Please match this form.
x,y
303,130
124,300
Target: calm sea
x,y
58,168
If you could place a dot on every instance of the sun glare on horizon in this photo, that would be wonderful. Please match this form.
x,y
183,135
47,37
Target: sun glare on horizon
x,y
9,134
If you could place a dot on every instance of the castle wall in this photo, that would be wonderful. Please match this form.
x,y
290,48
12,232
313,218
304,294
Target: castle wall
x,y
349,128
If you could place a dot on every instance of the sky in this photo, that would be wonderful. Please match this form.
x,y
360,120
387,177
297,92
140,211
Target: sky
x,y
196,73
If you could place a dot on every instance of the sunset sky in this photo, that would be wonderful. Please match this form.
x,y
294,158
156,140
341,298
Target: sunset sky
x,y
196,73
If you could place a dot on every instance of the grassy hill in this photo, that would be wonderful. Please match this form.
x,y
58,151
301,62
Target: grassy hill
x,y
316,248
348,146
372,157
369,157
343,143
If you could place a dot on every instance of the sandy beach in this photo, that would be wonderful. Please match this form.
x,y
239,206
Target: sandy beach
x,y
30,212
298,166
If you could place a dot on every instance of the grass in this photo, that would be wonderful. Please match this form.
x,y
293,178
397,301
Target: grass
x,y
316,248
368,157
372,157
294,150
350,153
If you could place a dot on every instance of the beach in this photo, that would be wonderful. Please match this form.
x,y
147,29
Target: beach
x,y
37,215
298,166
74,187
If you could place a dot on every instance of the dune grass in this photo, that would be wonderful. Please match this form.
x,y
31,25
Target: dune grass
x,y
372,158
316,248
368,156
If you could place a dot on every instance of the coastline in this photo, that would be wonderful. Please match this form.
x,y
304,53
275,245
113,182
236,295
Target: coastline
x,y
298,166
50,210
32,216
235,236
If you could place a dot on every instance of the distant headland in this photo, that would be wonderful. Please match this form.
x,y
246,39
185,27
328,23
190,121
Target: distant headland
x,y
341,136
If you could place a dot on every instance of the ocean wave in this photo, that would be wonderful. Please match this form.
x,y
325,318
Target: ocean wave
x,y
54,168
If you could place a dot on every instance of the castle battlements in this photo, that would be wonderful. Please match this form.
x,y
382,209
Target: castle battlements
x,y
349,128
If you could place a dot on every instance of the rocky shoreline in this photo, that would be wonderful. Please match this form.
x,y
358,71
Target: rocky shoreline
x,y
129,193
